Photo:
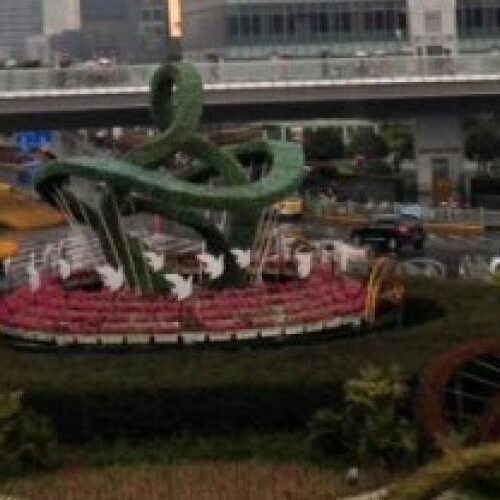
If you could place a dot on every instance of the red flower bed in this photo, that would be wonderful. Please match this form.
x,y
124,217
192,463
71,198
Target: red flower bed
x,y
54,310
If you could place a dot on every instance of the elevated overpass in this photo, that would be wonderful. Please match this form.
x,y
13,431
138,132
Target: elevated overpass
x,y
270,90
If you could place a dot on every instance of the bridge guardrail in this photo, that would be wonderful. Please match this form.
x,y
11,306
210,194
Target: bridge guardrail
x,y
272,70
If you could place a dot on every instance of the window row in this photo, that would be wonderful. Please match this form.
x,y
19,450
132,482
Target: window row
x,y
294,24
478,20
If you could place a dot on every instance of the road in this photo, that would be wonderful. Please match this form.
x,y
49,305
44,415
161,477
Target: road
x,y
82,246
449,250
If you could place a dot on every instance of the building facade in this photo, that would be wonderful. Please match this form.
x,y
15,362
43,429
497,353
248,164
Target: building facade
x,y
19,19
125,30
236,29
60,16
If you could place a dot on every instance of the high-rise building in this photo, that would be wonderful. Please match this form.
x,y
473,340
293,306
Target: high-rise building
x,y
245,29
19,19
61,15
128,30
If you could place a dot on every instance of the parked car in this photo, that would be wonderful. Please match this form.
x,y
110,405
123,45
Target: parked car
x,y
390,233
290,207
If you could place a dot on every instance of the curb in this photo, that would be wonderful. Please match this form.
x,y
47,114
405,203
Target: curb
x,y
373,495
440,228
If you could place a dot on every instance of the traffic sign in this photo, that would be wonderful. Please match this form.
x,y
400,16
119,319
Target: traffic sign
x,y
30,140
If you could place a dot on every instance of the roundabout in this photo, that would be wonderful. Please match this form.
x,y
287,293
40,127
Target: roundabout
x,y
246,282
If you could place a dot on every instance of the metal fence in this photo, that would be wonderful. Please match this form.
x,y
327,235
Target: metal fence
x,y
486,66
370,211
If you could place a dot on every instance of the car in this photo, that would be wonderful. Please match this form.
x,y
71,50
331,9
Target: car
x,y
290,207
390,233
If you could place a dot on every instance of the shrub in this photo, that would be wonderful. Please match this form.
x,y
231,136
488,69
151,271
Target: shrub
x,y
27,441
371,427
366,142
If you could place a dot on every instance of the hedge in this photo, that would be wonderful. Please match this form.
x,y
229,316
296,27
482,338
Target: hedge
x,y
204,411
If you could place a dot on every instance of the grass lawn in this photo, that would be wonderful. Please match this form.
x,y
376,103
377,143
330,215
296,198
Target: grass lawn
x,y
201,481
216,413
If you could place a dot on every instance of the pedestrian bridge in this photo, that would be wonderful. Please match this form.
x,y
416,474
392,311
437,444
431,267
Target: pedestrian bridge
x,y
291,89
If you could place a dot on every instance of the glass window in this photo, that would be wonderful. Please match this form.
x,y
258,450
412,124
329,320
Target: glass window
x,y
368,21
323,22
478,18
290,23
245,25
314,23
277,24
256,25
345,22
232,26
379,21
402,21
391,21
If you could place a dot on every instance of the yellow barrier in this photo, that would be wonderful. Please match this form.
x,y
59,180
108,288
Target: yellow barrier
x,y
440,228
455,229
8,248
19,211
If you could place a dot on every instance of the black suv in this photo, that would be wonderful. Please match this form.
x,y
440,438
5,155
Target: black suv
x,y
390,233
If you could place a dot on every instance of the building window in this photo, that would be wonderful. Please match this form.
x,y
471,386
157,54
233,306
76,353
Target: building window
x,y
379,21
478,18
232,26
345,22
245,26
323,22
277,24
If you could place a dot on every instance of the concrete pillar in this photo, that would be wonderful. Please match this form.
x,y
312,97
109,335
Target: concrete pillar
x,y
433,27
439,151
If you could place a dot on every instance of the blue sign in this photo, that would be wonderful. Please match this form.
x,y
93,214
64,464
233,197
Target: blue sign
x,y
28,141
27,177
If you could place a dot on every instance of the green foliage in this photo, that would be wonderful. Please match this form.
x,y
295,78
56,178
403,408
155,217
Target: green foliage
x,y
324,143
370,428
27,441
482,144
366,142
399,139
10,405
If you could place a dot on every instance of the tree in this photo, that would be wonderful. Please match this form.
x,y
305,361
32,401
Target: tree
x,y
399,139
324,143
366,142
482,144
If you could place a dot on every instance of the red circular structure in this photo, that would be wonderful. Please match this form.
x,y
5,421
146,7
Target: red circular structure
x,y
452,365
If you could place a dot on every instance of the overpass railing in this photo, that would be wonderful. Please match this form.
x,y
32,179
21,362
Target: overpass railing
x,y
359,70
